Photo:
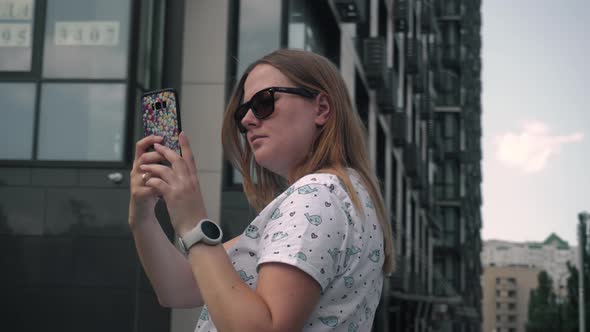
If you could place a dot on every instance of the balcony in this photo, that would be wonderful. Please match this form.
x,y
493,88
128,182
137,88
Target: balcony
x,y
374,61
449,10
412,162
423,106
399,125
446,83
421,80
451,56
387,92
427,17
449,102
426,197
351,11
413,55
401,14
447,193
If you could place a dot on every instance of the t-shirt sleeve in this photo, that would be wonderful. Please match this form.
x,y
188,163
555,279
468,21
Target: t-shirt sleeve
x,y
307,230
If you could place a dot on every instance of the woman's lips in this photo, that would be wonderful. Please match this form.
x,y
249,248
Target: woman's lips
x,y
256,138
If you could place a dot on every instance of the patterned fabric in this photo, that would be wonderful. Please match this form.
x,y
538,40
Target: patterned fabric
x,y
314,226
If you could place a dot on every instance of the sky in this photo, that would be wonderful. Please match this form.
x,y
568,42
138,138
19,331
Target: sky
x,y
536,118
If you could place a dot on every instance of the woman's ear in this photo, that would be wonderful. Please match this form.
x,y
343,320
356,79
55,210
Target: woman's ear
x,y
323,110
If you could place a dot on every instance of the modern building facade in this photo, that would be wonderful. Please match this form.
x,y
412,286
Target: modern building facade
x,y
506,293
551,255
72,71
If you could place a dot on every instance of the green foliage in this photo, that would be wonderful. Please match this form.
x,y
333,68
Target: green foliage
x,y
547,312
543,309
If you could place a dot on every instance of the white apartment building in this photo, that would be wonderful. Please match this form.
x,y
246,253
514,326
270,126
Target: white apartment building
x,y
550,255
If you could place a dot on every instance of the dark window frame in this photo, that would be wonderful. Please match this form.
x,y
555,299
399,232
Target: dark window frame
x,y
132,86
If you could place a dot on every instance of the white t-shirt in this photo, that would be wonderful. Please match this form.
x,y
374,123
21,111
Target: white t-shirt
x,y
314,226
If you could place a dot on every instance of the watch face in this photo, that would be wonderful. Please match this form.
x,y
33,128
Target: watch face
x,y
210,229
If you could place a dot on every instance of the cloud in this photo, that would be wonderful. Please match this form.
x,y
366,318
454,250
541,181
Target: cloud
x,y
530,149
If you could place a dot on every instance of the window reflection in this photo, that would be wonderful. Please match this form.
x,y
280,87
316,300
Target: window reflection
x,y
86,39
16,120
16,34
259,29
259,34
313,28
82,122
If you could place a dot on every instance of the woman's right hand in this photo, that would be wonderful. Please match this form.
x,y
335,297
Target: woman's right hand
x,y
143,199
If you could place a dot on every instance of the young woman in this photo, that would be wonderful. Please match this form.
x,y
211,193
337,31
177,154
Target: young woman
x,y
315,257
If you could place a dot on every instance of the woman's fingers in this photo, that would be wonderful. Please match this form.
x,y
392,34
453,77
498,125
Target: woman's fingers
x,y
142,145
174,158
157,171
152,157
157,185
187,153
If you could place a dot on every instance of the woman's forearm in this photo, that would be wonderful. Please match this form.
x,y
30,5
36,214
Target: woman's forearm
x,y
167,269
232,305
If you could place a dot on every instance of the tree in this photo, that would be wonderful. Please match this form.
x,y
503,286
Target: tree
x,y
571,305
543,308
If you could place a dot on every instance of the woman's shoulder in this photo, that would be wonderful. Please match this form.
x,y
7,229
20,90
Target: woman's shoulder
x,y
324,181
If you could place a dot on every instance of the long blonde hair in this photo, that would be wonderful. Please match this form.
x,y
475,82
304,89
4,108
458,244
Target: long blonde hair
x,y
340,143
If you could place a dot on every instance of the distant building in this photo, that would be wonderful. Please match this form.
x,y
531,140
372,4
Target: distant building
x,y
551,255
506,292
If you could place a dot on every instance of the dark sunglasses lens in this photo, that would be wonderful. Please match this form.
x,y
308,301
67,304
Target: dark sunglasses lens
x,y
263,104
239,115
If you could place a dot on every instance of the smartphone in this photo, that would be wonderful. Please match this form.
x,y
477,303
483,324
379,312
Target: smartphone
x,y
161,116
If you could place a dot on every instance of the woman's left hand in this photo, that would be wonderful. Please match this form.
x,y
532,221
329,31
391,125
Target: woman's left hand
x,y
178,185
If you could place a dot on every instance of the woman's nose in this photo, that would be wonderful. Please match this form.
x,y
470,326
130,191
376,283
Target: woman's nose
x,y
249,120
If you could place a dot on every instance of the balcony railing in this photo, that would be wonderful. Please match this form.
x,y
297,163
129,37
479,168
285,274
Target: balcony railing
x,y
451,56
449,9
399,125
401,14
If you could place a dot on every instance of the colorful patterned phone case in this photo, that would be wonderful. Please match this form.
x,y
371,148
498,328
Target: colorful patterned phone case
x,y
161,116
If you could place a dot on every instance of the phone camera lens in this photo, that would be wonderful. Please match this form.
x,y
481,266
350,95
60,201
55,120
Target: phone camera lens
x,y
158,105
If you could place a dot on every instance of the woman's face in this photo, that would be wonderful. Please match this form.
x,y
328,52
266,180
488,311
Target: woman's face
x,y
282,140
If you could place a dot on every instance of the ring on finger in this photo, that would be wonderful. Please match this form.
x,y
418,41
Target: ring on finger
x,y
144,177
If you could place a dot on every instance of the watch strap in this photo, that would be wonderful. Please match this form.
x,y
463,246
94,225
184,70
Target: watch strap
x,y
196,235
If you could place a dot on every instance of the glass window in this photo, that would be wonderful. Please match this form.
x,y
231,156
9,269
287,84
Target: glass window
x,y
450,223
312,28
17,118
259,34
259,30
150,47
16,34
86,39
82,122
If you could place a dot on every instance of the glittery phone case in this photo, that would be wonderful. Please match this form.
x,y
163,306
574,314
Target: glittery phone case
x,y
161,116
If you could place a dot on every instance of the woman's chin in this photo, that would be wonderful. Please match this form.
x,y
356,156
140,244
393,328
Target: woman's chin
x,y
267,163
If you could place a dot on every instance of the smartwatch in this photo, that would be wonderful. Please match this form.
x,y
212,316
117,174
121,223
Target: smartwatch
x,y
206,232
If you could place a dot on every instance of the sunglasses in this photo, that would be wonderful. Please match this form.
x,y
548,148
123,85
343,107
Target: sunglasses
x,y
262,103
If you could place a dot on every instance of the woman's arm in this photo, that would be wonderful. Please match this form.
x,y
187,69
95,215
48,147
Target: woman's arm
x,y
283,300
167,269
285,295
